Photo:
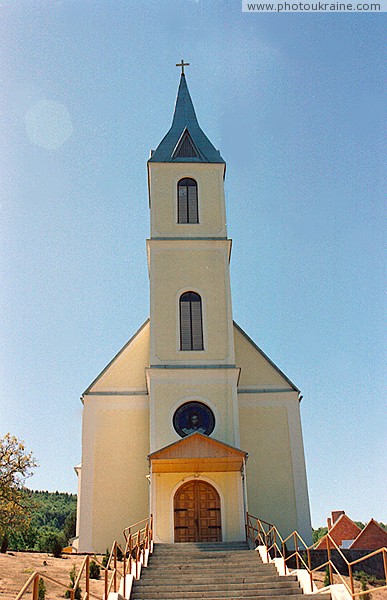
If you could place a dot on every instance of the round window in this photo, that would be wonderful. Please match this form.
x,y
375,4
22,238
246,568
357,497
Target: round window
x,y
193,416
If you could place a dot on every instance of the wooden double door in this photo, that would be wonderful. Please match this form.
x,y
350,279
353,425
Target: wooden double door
x,y
197,513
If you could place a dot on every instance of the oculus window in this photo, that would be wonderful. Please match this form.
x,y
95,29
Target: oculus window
x,y
193,417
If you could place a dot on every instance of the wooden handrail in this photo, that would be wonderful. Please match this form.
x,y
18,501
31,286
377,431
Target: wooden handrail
x,y
255,530
35,579
128,529
136,545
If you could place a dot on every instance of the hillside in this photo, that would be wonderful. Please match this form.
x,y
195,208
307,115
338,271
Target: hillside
x,y
53,516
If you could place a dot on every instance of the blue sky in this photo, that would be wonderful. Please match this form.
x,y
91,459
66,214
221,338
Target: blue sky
x,y
294,103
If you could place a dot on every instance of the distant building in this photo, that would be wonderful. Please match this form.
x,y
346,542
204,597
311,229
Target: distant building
x,y
346,534
371,537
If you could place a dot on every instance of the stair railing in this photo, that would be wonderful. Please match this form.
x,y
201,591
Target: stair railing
x,y
138,541
263,533
34,581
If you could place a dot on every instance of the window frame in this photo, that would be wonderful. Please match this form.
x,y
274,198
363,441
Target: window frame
x,y
179,208
193,334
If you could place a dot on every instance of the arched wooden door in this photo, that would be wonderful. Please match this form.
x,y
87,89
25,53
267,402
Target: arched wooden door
x,y
197,513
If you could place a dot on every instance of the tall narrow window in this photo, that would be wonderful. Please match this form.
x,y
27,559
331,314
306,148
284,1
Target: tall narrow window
x,y
191,327
187,201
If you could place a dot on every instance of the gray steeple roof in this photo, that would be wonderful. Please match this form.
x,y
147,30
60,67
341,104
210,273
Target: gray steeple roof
x,y
185,141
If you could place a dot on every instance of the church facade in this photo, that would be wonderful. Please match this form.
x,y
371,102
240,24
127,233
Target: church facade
x,y
190,421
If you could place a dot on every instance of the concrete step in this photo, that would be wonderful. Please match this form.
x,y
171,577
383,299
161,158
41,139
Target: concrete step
x,y
209,554
269,588
225,563
200,549
211,566
215,579
234,596
183,545
218,571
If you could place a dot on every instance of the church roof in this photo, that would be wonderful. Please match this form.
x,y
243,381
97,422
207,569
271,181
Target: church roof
x,y
185,141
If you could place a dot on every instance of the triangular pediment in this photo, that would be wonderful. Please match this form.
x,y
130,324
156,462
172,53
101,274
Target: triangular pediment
x,y
185,147
257,370
198,453
126,371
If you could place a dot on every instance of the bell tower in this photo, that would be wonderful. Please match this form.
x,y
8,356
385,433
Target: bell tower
x,y
192,353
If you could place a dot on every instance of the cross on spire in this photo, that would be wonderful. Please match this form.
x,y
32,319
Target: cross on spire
x,y
182,64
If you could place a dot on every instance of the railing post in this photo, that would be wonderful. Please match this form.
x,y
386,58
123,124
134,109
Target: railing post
x,y
267,547
310,569
72,594
284,555
351,579
115,567
384,552
329,562
35,589
296,549
275,543
87,575
124,575
106,584
137,560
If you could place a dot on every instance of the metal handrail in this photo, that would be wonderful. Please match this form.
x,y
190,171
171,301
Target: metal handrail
x,y
257,532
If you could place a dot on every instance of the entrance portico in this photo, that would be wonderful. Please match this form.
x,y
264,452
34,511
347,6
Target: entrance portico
x,y
197,491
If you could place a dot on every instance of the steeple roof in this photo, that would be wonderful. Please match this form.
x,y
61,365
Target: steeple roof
x,y
185,141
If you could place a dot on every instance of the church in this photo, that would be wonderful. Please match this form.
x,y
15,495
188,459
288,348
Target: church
x,y
190,421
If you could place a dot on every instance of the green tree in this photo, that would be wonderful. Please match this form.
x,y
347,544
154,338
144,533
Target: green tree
x,y
327,578
78,591
364,588
15,506
41,590
317,534
70,524
50,540
94,570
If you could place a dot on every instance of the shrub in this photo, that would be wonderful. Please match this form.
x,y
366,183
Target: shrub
x,y
327,578
41,590
50,540
105,559
364,587
56,546
120,554
94,570
78,591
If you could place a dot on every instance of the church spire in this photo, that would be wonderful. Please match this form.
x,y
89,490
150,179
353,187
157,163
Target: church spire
x,y
185,141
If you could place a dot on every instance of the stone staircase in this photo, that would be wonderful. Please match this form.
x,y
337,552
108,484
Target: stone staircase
x,y
214,571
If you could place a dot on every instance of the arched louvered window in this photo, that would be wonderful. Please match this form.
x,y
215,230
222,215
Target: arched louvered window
x,y
191,326
187,201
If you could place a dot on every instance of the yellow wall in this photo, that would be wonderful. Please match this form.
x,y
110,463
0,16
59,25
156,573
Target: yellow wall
x,y
265,436
170,388
256,370
127,369
163,192
120,490
202,267
230,490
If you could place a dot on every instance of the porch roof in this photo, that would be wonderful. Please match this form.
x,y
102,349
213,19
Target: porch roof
x,y
197,453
